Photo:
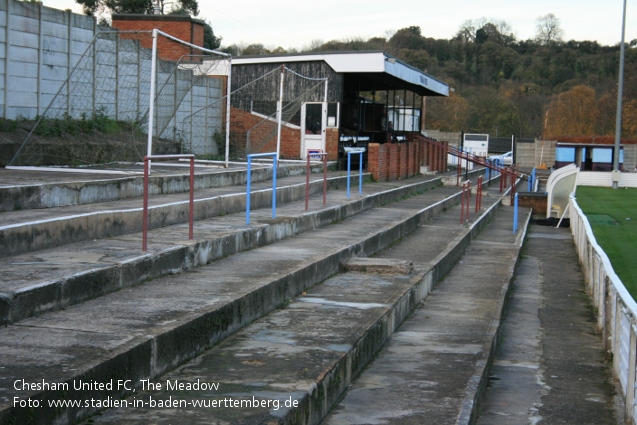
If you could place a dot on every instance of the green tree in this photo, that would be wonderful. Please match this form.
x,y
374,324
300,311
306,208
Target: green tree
x,y
95,7
573,113
210,41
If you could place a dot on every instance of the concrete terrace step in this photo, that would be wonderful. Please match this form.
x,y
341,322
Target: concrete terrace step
x,y
436,366
32,230
292,366
53,279
33,189
145,331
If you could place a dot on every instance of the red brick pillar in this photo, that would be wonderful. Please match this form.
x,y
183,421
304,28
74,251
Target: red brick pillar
x,y
373,160
445,158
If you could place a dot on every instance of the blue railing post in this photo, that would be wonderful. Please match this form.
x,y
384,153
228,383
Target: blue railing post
x,y
360,170
360,174
349,160
248,186
515,215
533,177
248,189
274,186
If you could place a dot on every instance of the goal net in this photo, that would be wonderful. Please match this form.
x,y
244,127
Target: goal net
x,y
101,113
266,113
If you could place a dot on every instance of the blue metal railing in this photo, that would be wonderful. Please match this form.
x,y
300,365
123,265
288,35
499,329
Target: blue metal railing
x,y
249,177
531,184
360,171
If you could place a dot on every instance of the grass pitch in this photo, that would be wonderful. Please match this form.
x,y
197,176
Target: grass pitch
x,y
612,214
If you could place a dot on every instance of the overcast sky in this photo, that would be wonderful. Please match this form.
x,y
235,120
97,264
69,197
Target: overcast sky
x,y
295,24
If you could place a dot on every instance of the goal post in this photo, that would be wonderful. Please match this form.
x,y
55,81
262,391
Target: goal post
x,y
125,96
154,97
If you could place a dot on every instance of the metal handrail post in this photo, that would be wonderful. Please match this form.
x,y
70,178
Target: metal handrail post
x,y
191,202
360,173
324,179
145,208
191,209
248,193
249,178
307,184
515,214
307,178
349,157
274,163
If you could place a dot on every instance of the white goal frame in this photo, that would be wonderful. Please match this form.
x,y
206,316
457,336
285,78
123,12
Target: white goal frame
x,y
153,82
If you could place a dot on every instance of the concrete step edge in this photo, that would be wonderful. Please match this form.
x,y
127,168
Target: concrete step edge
x,y
33,236
477,384
57,194
144,359
61,293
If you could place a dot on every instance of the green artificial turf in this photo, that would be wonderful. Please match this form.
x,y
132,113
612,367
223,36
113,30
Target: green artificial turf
x,y
612,214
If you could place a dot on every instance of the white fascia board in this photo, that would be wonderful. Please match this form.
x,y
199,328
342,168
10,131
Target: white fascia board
x,y
340,63
411,75
367,62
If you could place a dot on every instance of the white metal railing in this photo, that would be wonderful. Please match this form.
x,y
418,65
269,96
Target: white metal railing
x,y
616,308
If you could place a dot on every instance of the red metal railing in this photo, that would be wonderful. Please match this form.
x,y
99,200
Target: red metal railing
x,y
480,160
147,159
479,194
466,200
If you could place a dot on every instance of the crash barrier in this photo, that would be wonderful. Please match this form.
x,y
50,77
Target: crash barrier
x,y
147,160
313,154
350,152
531,181
249,181
515,214
466,200
479,194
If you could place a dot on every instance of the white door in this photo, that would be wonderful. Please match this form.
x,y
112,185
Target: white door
x,y
313,119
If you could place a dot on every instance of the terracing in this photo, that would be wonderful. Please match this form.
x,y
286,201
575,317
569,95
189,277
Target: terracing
x,y
280,315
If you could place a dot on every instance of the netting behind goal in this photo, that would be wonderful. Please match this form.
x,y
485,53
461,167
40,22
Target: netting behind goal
x,y
100,114
256,92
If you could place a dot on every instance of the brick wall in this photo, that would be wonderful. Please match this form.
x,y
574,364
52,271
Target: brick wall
x,y
180,26
263,136
402,160
393,161
533,200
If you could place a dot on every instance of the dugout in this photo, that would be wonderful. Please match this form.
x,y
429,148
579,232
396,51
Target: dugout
x,y
331,101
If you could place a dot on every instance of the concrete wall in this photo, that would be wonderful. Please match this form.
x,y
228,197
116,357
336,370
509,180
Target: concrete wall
x,y
529,155
38,47
454,138
42,48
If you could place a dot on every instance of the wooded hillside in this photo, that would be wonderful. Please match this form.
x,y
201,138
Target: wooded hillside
x,y
505,86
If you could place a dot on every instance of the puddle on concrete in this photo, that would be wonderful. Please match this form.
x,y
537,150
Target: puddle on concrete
x,y
360,306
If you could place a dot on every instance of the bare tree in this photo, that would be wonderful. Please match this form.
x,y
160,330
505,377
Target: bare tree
x,y
549,30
